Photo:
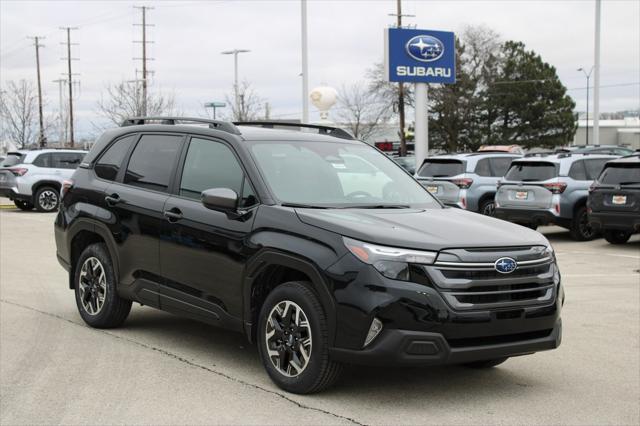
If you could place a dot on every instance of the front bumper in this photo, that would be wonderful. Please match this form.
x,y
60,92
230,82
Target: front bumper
x,y
404,347
628,222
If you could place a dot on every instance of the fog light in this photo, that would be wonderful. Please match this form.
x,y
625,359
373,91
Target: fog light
x,y
374,330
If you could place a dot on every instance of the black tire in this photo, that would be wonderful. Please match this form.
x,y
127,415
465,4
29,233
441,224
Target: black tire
x,y
488,207
23,205
616,237
47,199
488,363
580,228
114,310
320,371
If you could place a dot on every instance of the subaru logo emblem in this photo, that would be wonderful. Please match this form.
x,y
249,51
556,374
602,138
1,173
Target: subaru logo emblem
x,y
505,265
425,48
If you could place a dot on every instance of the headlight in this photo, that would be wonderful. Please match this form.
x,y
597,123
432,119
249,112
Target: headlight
x,y
392,262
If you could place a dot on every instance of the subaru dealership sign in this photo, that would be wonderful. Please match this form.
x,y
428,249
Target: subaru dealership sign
x,y
420,56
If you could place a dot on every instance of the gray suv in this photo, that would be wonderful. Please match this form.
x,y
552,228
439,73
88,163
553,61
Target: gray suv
x,y
467,181
550,189
35,178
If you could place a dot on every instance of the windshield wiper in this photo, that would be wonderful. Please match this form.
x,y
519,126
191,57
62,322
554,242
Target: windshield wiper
x,y
377,206
303,206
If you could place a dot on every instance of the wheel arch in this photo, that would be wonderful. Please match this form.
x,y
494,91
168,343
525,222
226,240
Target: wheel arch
x,y
270,268
83,233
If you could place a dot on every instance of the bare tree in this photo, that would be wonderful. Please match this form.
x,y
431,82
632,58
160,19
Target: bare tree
x,y
362,110
125,99
18,110
249,104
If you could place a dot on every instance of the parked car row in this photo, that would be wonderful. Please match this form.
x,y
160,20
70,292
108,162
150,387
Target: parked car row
x,y
533,190
35,178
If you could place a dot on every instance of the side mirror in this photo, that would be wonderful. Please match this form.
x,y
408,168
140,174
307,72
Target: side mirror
x,y
221,199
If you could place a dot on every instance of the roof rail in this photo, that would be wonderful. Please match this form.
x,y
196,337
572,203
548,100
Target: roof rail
x,y
225,126
325,130
539,154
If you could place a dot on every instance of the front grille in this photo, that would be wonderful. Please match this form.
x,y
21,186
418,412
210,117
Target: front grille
x,y
468,280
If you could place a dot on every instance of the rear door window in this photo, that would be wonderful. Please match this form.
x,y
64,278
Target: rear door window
x,y
66,160
577,171
594,167
441,168
111,161
153,161
43,160
500,165
621,175
531,171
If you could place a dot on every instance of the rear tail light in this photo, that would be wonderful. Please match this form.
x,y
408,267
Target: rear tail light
x,y
463,183
67,184
18,171
384,146
556,187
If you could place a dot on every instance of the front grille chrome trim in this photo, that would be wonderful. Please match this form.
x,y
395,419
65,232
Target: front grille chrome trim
x,y
489,265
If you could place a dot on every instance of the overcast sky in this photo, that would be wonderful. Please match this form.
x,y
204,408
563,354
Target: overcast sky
x,y
345,39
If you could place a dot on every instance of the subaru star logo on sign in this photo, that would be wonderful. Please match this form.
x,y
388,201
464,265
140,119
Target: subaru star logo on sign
x,y
505,265
420,56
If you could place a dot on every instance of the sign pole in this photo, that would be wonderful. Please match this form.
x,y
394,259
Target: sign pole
x,y
422,124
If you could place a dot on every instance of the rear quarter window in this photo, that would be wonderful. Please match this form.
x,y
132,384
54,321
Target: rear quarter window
x,y
531,171
441,168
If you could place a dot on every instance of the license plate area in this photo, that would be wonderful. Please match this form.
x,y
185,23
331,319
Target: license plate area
x,y
522,195
619,200
433,189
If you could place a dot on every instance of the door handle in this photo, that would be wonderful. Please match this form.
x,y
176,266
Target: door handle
x,y
173,215
112,199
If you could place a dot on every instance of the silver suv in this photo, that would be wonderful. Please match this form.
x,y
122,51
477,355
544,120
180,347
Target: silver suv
x,y
467,181
35,178
550,189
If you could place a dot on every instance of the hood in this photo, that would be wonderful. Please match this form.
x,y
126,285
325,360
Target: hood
x,y
431,229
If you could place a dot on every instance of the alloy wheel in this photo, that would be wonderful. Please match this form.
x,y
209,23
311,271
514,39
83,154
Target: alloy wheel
x,y
489,209
92,286
288,338
585,229
48,200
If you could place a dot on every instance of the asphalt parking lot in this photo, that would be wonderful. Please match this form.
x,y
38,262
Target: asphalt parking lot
x,y
162,369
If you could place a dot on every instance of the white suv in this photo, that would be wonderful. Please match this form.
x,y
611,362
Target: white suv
x,y
35,178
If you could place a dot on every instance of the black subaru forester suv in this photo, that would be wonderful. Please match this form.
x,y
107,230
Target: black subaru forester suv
x,y
316,246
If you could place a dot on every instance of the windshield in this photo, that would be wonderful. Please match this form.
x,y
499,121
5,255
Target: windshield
x,y
531,171
337,174
441,168
12,159
621,175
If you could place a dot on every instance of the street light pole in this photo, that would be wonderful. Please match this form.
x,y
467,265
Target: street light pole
x,y
588,75
235,53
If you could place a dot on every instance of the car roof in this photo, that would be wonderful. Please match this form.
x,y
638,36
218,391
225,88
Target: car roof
x,y
629,159
252,133
563,157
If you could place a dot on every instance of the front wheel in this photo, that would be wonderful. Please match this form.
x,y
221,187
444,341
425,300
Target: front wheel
x,y
97,298
293,340
580,229
47,199
617,237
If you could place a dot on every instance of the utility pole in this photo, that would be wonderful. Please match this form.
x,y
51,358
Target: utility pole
x,y
587,75
144,58
305,62
42,141
70,82
596,80
63,116
403,139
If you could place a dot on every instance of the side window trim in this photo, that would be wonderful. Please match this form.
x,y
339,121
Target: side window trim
x,y
174,188
127,158
120,175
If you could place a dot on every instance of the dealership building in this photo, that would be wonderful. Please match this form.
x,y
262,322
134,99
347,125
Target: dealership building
x,y
624,132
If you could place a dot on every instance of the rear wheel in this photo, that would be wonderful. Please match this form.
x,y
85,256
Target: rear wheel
x,y
488,207
293,340
95,286
580,229
23,205
47,199
617,237
486,363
